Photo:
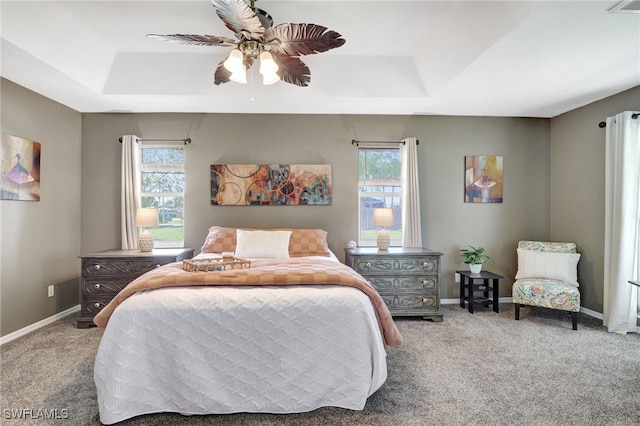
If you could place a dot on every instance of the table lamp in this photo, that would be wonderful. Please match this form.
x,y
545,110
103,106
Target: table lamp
x,y
383,217
146,218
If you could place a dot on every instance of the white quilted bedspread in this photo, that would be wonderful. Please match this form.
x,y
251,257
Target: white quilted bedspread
x,y
202,350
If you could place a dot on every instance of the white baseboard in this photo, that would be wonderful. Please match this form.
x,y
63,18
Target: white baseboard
x,y
28,329
591,313
585,311
457,301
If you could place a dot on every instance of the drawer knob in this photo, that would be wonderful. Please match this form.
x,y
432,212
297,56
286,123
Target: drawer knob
x,y
425,300
97,305
97,285
425,282
368,264
97,267
425,263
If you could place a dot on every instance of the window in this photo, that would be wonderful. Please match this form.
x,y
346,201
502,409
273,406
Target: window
x,y
162,187
379,185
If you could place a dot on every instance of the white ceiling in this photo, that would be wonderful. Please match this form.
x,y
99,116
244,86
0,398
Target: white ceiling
x,y
495,58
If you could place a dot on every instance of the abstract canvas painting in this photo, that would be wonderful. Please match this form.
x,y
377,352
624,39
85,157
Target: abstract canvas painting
x,y
20,174
483,179
270,184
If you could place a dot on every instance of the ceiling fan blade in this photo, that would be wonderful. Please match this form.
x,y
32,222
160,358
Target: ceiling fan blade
x,y
292,70
222,74
302,39
239,18
195,39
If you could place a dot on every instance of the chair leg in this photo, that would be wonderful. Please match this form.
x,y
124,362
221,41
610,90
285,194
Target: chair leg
x,y
574,320
517,311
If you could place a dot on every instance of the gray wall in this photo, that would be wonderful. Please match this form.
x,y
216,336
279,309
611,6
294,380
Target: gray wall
x,y
40,241
578,187
553,186
448,223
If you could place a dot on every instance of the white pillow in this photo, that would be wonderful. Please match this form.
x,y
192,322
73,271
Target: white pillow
x,y
262,244
549,265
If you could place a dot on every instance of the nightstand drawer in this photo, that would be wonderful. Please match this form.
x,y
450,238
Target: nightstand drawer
x,y
407,304
100,268
395,265
91,305
396,283
100,287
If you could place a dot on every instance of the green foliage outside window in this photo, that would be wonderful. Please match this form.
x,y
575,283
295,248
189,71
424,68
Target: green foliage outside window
x,y
378,164
162,184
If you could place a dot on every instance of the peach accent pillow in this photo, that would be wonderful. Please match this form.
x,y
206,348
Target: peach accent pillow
x,y
219,239
308,242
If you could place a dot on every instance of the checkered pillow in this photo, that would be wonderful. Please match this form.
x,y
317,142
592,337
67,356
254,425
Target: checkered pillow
x,y
220,239
308,242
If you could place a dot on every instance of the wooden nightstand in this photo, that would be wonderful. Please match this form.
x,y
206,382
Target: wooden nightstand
x,y
105,273
406,278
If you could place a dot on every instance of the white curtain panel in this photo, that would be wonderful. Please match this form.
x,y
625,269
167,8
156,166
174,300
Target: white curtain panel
x,y
411,222
622,223
130,192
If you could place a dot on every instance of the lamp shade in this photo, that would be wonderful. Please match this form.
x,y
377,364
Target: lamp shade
x,y
146,217
234,62
382,217
267,64
239,76
268,68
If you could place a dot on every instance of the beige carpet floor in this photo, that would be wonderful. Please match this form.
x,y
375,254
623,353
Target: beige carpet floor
x,y
480,369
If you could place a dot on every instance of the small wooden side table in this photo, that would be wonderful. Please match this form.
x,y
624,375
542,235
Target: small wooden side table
x,y
467,288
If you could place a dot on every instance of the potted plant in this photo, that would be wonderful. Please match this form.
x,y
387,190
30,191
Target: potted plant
x,y
475,257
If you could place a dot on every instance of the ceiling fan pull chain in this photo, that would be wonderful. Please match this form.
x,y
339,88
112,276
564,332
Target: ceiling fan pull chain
x,y
252,98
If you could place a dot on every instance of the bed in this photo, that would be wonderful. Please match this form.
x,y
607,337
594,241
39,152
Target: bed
x,y
292,333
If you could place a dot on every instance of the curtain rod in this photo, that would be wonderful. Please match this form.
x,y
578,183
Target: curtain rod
x,y
604,123
356,143
186,141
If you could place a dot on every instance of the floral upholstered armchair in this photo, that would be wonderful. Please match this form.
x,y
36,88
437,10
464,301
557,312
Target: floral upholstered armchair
x,y
547,277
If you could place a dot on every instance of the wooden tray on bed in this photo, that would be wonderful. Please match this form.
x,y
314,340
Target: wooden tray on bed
x,y
218,264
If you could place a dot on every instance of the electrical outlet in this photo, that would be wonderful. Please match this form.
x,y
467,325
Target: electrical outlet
x,y
457,277
50,291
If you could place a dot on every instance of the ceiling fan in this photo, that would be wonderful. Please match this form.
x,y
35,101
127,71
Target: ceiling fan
x,y
278,48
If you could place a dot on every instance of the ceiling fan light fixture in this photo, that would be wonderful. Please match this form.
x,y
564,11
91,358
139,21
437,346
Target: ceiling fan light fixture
x,y
234,62
239,76
268,68
267,64
268,79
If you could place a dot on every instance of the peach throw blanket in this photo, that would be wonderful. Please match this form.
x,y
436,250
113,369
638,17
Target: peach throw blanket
x,y
297,271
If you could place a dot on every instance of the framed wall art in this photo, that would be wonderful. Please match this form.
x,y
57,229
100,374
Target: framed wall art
x,y
270,184
20,174
483,179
